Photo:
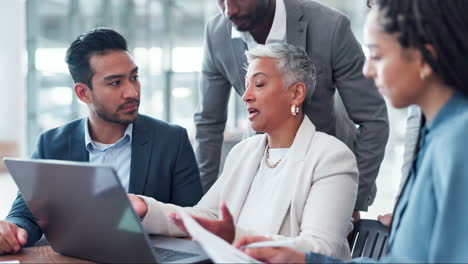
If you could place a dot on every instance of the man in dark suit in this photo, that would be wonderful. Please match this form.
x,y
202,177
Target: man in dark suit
x,y
326,36
151,157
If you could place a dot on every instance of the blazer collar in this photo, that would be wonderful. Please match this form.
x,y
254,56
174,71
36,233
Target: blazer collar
x,y
293,166
296,154
76,144
299,148
296,29
249,168
141,156
239,47
301,143
141,152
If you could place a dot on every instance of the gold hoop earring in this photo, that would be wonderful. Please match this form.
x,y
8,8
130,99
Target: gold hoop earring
x,y
422,75
294,110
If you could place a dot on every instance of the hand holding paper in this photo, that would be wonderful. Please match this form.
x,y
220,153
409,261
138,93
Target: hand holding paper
x,y
223,228
278,243
217,248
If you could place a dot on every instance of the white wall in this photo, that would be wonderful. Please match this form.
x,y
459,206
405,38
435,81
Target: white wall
x,y
13,73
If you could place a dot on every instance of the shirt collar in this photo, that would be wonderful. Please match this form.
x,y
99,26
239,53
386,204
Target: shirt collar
x,y
277,31
453,105
127,137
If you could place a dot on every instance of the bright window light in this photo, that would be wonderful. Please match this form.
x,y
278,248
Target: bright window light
x,y
151,59
181,92
59,95
51,60
187,59
156,102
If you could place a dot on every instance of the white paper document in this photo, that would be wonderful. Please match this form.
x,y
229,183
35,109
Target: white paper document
x,y
279,243
217,248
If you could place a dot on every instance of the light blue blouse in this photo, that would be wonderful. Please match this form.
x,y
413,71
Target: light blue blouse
x,y
431,218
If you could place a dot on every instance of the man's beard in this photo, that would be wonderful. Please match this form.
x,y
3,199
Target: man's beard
x,y
249,26
255,18
114,117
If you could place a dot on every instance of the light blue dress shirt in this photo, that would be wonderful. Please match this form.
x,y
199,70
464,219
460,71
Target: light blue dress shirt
x,y
117,155
431,218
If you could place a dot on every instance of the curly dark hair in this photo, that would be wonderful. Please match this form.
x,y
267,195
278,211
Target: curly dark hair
x,y
440,24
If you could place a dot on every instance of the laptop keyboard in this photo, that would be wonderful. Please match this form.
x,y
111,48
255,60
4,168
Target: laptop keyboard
x,y
170,255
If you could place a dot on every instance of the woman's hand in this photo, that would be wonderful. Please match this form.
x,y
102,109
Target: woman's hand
x,y
223,228
140,207
270,254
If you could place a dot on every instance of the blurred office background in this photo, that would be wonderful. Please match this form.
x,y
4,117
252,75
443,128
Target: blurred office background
x,y
166,38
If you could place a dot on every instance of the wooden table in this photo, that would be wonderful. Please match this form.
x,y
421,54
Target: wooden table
x,y
40,255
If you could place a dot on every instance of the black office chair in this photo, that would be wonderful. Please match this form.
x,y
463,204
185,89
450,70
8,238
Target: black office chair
x,y
369,239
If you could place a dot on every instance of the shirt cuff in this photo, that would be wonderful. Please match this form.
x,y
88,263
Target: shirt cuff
x,y
147,206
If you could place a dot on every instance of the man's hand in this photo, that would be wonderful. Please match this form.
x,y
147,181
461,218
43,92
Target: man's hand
x,y
11,237
386,220
270,254
140,207
223,228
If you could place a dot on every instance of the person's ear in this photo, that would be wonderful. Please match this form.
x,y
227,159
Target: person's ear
x,y
426,69
298,91
83,92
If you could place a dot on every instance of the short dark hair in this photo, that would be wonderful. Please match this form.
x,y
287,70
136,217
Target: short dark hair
x,y
98,41
442,24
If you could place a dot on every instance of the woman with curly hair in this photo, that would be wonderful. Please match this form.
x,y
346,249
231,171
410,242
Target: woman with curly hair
x,y
418,54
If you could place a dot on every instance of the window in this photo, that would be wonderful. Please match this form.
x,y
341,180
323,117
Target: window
x,y
166,39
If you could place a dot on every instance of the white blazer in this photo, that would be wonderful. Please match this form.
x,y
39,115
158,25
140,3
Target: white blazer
x,y
314,207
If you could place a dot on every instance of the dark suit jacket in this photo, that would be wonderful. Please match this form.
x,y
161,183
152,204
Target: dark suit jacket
x,y
163,165
326,36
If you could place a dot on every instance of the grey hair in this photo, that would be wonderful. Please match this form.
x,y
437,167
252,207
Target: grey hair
x,y
294,64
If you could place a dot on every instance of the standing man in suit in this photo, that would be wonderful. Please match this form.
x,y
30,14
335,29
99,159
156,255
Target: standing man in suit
x,y
151,157
326,36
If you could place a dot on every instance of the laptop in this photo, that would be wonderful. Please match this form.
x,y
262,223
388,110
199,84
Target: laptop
x,y
85,213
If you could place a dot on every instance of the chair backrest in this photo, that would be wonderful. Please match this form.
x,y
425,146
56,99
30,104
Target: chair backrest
x,y
369,239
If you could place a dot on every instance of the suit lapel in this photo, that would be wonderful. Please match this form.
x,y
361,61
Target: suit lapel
x,y
293,166
141,155
76,144
296,30
238,48
249,167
